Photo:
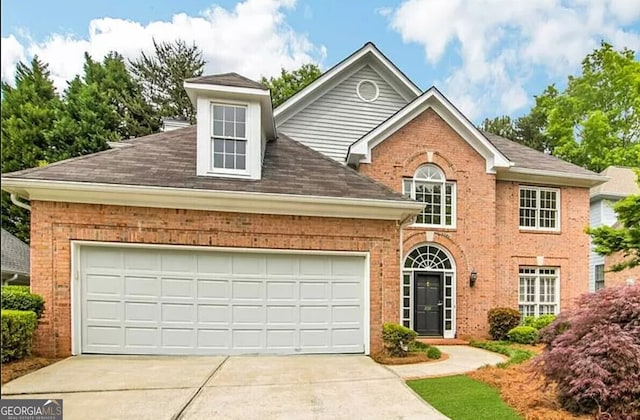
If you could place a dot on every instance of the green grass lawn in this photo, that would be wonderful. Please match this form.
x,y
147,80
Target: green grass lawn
x,y
460,397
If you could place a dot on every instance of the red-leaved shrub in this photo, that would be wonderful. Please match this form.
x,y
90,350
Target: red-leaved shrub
x,y
593,354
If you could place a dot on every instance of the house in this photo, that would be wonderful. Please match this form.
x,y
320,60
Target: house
x,y
360,200
15,260
621,183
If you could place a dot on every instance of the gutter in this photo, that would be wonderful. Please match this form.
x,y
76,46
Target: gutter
x,y
17,202
210,200
7,281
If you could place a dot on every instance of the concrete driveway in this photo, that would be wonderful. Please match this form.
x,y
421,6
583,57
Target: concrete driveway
x,y
260,387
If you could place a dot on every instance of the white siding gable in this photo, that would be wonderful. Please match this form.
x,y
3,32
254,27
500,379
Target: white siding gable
x,y
339,117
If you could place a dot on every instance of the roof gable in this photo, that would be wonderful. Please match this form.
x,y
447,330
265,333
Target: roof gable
x,y
369,54
622,183
360,151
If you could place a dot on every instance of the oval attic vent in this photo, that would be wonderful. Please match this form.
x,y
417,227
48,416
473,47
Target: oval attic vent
x,y
367,90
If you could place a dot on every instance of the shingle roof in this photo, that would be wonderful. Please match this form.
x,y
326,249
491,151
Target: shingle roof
x,y
168,159
622,182
526,157
15,255
227,79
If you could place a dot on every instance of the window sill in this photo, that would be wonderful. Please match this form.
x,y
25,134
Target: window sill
x,y
229,174
541,231
431,227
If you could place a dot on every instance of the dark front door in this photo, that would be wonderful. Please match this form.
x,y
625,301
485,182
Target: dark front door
x,y
428,304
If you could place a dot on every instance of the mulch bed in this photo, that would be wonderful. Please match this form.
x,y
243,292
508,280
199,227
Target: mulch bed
x,y
412,357
17,368
523,389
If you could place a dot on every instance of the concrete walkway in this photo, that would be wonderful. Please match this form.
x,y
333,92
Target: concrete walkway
x,y
462,359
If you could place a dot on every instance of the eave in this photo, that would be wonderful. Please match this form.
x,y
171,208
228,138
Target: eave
x,y
209,200
537,176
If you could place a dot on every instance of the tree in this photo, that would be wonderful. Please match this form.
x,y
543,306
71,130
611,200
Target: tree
x,y
28,114
290,82
501,126
529,129
136,116
626,237
162,75
595,121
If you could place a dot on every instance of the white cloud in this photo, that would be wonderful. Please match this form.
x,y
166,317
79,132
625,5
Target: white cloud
x,y
12,53
252,39
500,41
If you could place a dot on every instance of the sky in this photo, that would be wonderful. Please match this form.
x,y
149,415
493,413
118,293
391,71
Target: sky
x,y
489,57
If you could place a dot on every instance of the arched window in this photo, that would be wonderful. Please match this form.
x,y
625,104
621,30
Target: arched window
x,y
428,257
430,186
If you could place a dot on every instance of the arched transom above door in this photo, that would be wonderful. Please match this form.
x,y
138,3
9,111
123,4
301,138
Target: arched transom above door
x,y
428,257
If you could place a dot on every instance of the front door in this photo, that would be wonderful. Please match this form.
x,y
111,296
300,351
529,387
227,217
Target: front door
x,y
428,304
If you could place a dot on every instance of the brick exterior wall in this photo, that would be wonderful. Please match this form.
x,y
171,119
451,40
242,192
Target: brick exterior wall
x,y
487,237
622,277
54,225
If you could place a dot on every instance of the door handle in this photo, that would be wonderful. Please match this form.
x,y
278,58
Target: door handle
x,y
439,303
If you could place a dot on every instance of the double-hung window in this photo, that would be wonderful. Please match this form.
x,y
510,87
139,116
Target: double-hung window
x,y
539,208
599,276
430,186
229,137
538,291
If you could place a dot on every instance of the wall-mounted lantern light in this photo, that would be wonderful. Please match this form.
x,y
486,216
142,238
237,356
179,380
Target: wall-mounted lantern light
x,y
473,277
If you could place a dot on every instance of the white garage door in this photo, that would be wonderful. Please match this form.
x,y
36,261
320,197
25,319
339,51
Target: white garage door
x,y
172,301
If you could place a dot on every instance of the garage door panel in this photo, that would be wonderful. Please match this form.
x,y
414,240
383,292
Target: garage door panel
x,y
281,339
281,265
213,289
98,310
173,301
247,339
176,312
104,336
282,290
141,259
142,337
178,287
242,289
314,314
104,285
314,290
214,314
136,286
248,265
140,312
179,338
214,339
282,315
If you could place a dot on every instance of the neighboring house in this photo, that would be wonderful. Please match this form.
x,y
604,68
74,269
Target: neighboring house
x,y
360,200
622,183
15,260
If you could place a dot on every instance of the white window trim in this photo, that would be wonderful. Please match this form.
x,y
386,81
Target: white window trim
x,y
253,137
536,301
595,277
454,199
377,95
447,333
212,137
558,203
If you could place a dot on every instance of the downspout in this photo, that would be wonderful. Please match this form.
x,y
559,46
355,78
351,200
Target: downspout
x,y
17,202
7,281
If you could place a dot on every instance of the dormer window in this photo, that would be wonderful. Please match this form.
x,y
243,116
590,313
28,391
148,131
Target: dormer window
x,y
229,137
234,124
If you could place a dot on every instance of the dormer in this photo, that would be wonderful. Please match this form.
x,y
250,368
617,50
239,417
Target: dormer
x,y
234,123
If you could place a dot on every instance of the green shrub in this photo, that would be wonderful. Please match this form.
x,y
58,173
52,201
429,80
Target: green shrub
x,y
516,356
397,339
501,321
538,322
434,353
430,351
17,333
19,298
523,334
